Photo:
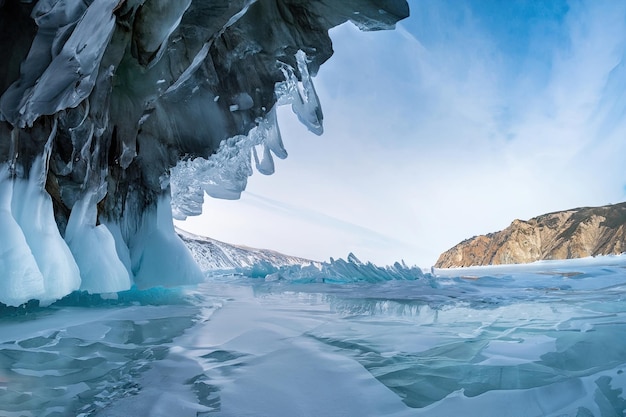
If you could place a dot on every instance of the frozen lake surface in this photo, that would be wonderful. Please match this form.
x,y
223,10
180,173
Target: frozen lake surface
x,y
547,339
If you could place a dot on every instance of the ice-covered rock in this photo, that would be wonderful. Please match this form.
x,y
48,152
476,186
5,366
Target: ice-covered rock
x,y
127,101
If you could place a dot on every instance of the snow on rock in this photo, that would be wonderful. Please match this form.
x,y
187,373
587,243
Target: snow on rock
x,y
213,255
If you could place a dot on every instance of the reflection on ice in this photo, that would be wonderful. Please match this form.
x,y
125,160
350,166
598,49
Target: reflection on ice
x,y
522,342
85,353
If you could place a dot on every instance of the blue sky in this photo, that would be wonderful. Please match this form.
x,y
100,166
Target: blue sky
x,y
469,115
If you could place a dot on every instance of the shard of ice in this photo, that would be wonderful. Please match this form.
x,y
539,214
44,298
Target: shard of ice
x,y
112,109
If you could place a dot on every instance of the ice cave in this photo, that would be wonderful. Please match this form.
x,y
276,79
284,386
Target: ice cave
x,y
118,115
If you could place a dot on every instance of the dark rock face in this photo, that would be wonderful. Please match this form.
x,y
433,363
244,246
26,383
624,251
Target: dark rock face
x,y
111,106
576,233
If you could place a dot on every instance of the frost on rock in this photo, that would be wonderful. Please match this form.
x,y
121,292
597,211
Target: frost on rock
x,y
108,106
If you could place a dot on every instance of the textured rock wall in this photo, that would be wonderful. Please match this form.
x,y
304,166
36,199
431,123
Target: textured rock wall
x,y
576,233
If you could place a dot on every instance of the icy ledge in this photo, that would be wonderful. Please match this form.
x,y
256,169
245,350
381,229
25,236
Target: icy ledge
x,y
113,112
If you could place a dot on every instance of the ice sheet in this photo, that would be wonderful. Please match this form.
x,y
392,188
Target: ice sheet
x,y
524,344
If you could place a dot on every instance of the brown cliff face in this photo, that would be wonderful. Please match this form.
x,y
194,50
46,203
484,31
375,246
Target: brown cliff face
x,y
576,233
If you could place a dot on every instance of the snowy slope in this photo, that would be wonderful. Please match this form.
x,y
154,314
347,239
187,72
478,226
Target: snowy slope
x,y
214,255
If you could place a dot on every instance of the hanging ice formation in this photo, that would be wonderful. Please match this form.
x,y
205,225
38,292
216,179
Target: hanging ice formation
x,y
113,110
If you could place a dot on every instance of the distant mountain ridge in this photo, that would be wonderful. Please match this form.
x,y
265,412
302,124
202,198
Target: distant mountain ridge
x,y
575,233
213,255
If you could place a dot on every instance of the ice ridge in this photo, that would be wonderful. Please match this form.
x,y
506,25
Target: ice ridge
x,y
113,112
336,271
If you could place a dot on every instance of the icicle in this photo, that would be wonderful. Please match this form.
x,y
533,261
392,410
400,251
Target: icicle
x,y
301,94
158,255
94,250
34,214
273,138
21,278
308,109
266,165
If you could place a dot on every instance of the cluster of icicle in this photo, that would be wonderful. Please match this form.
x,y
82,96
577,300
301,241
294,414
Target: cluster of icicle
x,y
36,262
225,174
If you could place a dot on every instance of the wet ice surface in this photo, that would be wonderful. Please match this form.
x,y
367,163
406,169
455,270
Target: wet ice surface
x,y
542,340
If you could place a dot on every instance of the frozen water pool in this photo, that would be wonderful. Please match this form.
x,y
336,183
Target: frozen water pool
x,y
541,340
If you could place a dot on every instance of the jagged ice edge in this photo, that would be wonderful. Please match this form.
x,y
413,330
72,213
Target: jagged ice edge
x,y
225,174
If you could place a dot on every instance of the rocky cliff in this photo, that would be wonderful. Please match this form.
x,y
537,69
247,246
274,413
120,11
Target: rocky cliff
x,y
575,233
